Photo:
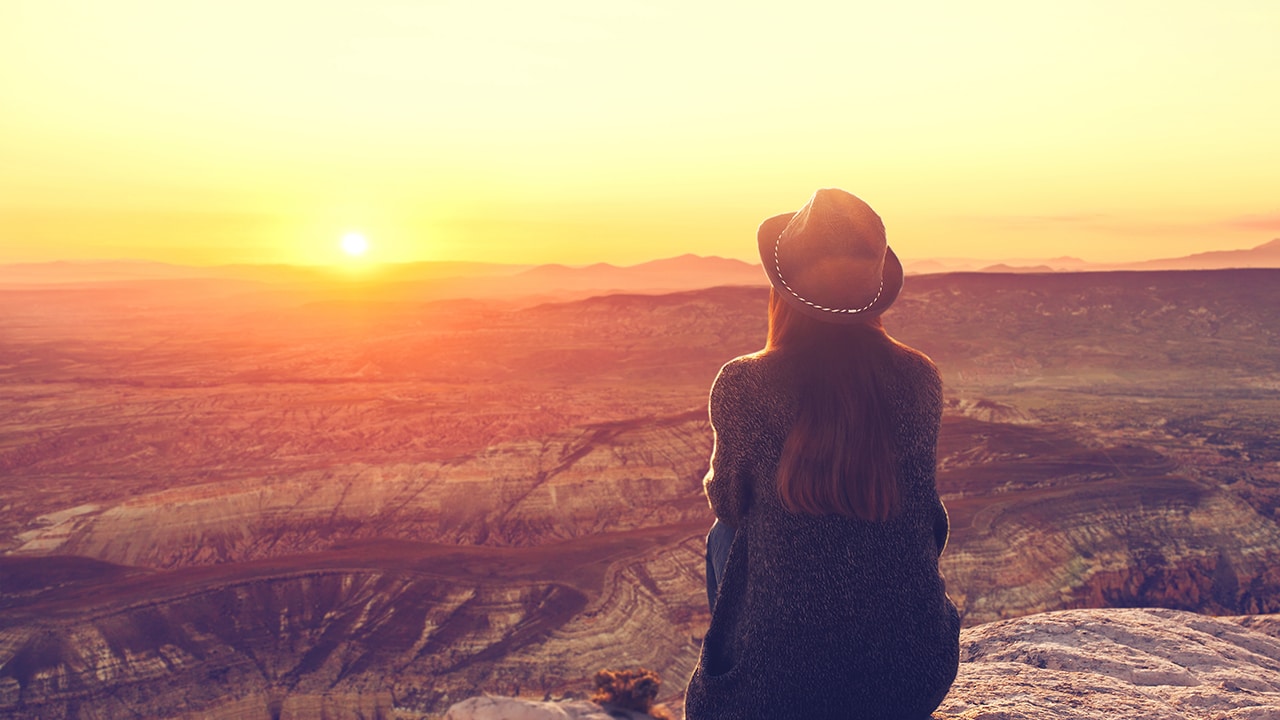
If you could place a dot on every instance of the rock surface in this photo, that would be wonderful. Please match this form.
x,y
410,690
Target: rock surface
x,y
1087,664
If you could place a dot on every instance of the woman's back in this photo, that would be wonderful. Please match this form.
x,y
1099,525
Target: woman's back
x,y
824,616
829,603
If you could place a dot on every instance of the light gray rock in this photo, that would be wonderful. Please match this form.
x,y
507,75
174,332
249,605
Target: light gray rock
x,y
1126,663
492,707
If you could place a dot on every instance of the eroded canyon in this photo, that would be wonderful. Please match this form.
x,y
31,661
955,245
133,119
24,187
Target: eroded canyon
x,y
247,503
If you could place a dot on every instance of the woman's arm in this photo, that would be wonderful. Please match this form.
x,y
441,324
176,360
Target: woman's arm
x,y
931,400
727,484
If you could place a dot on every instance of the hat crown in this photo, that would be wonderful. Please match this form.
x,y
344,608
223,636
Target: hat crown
x,y
831,254
837,223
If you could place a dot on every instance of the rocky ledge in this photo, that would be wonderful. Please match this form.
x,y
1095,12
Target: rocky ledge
x,y
1076,665
1088,664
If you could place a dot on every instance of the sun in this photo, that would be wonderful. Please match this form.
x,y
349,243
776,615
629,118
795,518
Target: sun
x,y
355,244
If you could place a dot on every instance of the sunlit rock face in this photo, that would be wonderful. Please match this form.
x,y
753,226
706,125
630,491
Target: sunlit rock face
x,y
1043,517
591,480
1089,664
1041,520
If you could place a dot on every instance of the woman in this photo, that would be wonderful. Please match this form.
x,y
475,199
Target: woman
x,y
829,603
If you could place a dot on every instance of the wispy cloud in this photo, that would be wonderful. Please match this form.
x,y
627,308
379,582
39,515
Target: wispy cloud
x,y
1122,225
1102,223
1265,222
1069,219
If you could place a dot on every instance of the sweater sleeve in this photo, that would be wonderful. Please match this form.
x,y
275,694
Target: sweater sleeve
x,y
931,386
727,483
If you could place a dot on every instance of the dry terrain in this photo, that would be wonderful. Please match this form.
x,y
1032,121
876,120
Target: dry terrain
x,y
228,498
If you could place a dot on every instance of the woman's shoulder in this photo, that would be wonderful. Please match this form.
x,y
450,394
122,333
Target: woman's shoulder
x,y
744,369
915,365
750,384
918,380
738,377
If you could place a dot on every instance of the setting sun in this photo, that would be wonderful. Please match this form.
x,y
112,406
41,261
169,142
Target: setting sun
x,y
354,244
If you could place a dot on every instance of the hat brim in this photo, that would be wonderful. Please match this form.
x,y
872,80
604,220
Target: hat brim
x,y
891,277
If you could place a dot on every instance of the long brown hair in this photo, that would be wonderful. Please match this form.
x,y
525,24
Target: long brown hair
x,y
840,456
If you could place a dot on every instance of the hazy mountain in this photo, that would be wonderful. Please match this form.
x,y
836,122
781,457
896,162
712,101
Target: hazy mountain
x,y
1266,255
92,271
930,266
406,282
114,271
561,282
685,272
1004,268
427,281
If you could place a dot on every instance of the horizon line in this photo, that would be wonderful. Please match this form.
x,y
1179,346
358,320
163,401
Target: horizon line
x,y
360,264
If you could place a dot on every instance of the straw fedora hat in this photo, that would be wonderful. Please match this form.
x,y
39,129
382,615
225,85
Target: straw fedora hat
x,y
830,259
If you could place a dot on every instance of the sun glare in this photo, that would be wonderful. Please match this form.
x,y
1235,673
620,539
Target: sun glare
x,y
354,244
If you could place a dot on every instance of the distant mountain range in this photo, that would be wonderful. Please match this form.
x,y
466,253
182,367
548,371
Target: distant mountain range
x,y
66,272
424,281
1266,255
442,280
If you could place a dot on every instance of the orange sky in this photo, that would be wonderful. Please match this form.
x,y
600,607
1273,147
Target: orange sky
x,y
578,131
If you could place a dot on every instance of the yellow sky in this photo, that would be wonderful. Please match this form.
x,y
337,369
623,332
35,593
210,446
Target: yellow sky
x,y
580,131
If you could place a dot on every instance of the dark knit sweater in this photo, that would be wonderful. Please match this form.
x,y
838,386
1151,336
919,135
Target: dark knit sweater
x,y
823,617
